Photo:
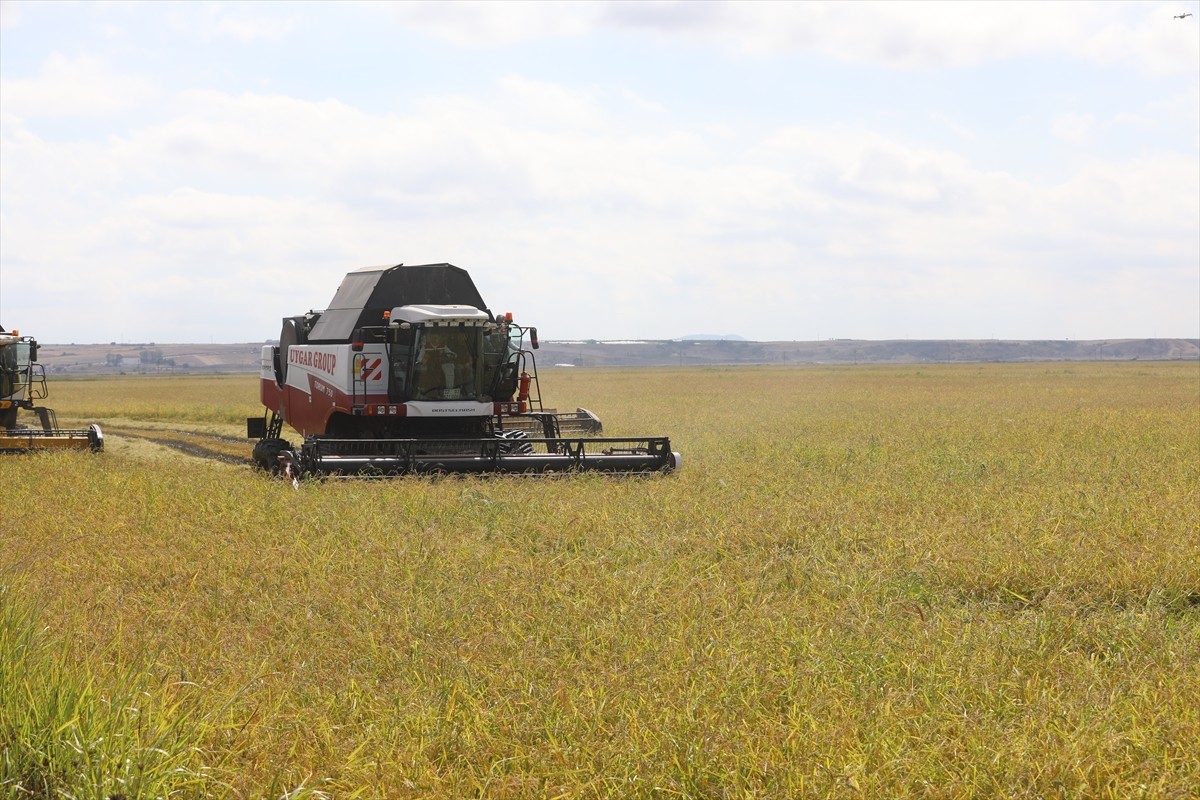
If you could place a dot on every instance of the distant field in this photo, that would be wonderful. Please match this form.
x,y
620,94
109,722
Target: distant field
x,y
866,581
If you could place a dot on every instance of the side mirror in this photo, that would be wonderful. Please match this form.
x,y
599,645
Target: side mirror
x,y
533,338
33,351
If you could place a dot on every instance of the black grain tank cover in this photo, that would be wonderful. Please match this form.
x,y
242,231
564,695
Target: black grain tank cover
x,y
366,293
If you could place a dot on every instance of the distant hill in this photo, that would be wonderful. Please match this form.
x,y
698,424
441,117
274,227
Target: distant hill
x,y
859,351
709,337
85,359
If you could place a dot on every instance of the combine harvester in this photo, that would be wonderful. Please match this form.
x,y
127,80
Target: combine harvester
x,y
407,371
22,381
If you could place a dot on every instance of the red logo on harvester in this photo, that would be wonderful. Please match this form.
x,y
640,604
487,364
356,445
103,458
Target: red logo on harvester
x,y
369,369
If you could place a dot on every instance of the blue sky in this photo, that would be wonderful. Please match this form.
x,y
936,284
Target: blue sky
x,y
177,172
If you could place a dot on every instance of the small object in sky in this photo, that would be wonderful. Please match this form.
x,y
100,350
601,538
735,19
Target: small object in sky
x,y
1182,16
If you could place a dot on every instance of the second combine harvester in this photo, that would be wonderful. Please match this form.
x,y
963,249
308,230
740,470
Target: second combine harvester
x,y
408,371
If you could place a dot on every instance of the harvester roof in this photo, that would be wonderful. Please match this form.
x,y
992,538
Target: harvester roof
x,y
366,293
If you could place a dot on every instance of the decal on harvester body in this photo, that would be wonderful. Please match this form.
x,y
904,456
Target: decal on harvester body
x,y
311,360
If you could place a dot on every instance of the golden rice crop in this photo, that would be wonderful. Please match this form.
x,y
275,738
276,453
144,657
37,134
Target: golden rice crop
x,y
916,581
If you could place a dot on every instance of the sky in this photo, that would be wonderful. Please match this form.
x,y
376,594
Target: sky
x,y
194,172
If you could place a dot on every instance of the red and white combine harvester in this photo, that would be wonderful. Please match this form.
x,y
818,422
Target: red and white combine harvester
x,y
407,371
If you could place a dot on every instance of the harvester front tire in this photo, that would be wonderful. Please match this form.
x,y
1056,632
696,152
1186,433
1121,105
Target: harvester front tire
x,y
266,454
514,442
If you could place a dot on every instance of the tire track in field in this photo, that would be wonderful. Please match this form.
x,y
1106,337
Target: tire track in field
x,y
178,440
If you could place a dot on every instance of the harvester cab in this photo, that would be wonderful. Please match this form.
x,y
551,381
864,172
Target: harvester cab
x,y
22,384
408,371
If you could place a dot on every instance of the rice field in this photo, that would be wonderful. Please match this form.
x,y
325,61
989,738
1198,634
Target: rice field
x,y
866,581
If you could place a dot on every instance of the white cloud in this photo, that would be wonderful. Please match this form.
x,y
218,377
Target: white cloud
x,y
1073,128
543,102
10,14
287,194
250,28
477,23
210,211
82,86
896,34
